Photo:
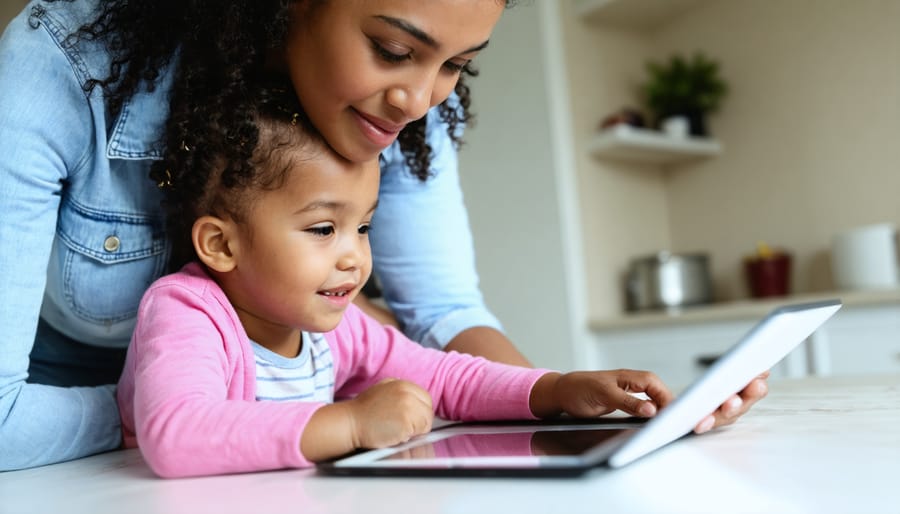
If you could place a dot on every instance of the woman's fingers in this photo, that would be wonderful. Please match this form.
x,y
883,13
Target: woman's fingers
x,y
736,406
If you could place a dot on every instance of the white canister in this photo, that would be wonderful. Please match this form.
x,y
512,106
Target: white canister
x,y
866,258
677,127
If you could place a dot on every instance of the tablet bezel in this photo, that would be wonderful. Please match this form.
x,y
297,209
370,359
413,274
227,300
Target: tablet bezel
x,y
371,462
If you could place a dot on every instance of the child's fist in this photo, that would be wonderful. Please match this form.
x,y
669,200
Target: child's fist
x,y
390,412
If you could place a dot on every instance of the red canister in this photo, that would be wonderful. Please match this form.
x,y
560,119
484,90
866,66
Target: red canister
x,y
768,273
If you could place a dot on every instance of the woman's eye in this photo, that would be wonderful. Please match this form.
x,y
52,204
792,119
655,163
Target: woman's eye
x,y
456,66
364,229
388,55
322,231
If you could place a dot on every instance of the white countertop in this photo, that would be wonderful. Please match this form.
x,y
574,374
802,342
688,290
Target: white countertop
x,y
814,445
740,309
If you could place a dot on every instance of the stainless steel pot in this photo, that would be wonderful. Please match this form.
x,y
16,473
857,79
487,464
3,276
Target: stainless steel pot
x,y
666,280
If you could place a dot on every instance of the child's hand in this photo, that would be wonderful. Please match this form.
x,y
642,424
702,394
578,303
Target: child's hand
x,y
586,394
389,413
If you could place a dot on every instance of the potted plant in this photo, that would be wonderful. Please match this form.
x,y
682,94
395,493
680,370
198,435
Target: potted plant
x,y
685,87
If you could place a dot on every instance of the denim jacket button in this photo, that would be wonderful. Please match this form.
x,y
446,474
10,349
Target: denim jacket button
x,y
111,244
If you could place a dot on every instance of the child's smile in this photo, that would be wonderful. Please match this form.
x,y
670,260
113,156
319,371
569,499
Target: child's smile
x,y
340,296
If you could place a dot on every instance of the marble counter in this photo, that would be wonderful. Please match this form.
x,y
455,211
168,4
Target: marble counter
x,y
814,445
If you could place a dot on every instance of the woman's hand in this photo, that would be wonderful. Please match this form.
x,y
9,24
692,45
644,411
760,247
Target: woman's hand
x,y
736,406
586,394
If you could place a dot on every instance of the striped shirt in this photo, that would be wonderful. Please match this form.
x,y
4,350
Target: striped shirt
x,y
308,377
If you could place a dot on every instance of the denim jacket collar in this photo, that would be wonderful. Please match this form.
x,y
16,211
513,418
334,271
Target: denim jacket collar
x,y
139,130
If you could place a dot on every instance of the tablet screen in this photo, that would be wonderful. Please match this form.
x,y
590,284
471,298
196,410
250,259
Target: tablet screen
x,y
509,444
516,446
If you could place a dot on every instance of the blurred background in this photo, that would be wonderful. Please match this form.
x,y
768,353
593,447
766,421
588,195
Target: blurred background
x,y
804,150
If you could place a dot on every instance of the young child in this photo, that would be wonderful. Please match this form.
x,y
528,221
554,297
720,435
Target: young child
x,y
237,359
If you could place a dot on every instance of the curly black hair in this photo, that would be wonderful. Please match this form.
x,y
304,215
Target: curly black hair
x,y
218,47
208,183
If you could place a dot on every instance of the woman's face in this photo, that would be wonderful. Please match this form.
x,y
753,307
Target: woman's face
x,y
363,69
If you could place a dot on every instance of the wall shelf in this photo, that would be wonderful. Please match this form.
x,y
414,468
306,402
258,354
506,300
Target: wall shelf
x,y
632,144
635,14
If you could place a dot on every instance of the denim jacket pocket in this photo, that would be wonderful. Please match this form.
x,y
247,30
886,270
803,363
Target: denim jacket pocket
x,y
108,261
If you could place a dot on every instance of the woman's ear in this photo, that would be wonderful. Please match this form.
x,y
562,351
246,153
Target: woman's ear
x,y
214,239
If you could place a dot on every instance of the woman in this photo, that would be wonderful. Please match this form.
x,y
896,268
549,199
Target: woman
x,y
96,93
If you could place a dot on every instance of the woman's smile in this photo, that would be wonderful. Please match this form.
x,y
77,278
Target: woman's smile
x,y
381,133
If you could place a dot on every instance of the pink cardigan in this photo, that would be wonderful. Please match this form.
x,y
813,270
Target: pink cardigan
x,y
187,393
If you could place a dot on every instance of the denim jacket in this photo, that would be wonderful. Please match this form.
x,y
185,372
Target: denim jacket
x,y
82,234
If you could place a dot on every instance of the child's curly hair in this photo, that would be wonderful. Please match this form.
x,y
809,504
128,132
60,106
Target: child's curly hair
x,y
208,182
220,46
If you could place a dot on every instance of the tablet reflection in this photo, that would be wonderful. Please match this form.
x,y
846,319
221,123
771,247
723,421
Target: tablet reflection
x,y
510,444
570,442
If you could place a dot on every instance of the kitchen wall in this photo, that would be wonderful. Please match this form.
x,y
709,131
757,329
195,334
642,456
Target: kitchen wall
x,y
811,129
810,132
624,208
522,203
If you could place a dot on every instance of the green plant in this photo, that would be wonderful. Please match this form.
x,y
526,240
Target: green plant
x,y
684,87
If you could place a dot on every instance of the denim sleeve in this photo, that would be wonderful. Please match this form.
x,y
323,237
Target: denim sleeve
x,y
422,246
46,133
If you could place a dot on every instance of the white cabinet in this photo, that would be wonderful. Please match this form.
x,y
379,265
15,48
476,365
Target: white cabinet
x,y
859,339
679,353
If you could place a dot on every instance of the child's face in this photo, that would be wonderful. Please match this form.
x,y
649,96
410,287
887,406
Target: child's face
x,y
303,253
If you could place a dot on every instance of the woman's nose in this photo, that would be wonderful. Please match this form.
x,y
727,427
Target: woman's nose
x,y
414,97
411,102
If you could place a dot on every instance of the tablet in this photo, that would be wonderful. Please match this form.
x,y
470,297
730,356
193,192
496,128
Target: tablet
x,y
569,446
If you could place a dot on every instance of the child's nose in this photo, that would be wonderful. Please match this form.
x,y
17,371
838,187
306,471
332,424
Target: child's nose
x,y
353,256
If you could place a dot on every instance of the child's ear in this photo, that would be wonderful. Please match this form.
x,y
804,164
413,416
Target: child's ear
x,y
213,240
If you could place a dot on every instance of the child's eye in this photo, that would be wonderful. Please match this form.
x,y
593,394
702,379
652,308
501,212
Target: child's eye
x,y
364,229
321,231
